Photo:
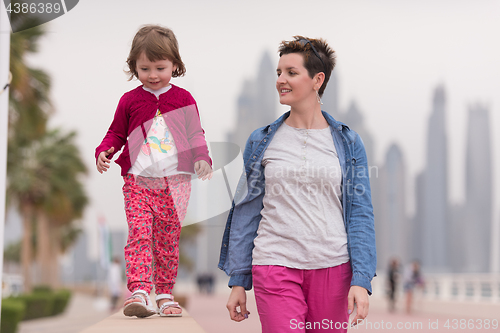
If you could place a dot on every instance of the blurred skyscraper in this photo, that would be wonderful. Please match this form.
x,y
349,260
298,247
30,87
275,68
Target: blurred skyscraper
x,y
353,118
80,268
435,189
416,227
256,104
391,220
118,239
330,97
256,107
478,199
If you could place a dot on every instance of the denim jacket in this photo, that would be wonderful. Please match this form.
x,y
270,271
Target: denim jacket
x,y
244,216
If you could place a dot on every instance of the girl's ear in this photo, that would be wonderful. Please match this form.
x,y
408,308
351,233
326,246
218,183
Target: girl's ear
x,y
174,68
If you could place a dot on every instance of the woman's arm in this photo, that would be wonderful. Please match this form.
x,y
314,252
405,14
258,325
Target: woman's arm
x,y
238,298
361,229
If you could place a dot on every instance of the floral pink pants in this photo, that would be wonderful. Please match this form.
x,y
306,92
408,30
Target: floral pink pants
x,y
154,208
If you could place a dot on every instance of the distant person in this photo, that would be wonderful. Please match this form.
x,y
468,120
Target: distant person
x,y
205,283
304,233
159,125
392,283
115,282
412,280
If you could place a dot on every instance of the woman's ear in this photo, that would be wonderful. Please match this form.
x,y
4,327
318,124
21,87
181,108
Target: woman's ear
x,y
319,78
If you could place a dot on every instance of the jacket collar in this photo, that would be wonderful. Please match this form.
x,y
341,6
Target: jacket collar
x,y
149,95
331,121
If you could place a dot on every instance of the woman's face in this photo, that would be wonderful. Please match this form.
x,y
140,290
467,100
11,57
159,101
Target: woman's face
x,y
294,85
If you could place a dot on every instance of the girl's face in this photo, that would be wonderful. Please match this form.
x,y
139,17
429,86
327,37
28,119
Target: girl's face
x,y
294,85
154,74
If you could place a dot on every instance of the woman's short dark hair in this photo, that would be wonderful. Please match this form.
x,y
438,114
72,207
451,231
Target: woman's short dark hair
x,y
318,56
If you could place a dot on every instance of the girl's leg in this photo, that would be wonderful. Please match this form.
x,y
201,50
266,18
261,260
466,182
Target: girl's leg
x,y
326,292
180,190
280,300
138,256
170,209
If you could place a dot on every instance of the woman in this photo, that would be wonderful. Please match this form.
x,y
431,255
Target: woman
x,y
301,226
412,280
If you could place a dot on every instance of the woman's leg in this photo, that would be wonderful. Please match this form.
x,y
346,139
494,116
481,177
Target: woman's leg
x,y
409,300
326,292
280,300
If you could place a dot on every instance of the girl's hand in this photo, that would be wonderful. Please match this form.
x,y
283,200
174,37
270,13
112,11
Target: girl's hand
x,y
237,298
103,161
358,295
203,169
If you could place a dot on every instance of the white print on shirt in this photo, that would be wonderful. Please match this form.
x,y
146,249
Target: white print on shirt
x,y
159,137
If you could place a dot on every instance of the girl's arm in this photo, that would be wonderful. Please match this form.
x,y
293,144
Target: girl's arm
x,y
195,133
117,133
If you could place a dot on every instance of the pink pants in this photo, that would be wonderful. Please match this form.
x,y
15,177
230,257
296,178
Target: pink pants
x,y
296,300
154,208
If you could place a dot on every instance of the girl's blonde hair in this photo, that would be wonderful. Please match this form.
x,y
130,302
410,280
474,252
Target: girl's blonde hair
x,y
157,43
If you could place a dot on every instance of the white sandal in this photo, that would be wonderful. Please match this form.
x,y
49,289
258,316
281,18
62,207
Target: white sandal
x,y
140,309
167,305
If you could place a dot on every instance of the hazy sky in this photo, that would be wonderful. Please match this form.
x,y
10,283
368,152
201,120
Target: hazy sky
x,y
391,54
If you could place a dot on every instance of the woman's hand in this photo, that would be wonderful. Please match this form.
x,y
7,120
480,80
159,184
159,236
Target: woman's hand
x,y
358,295
203,169
237,298
103,161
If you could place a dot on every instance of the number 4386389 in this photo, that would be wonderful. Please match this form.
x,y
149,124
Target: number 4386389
x,y
463,324
33,8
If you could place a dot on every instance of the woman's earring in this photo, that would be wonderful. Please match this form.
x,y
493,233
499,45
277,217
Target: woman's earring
x,y
318,98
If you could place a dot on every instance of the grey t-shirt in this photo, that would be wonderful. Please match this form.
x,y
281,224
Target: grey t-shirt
x,y
302,221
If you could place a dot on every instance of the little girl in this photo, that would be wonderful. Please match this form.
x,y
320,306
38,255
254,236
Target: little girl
x,y
164,143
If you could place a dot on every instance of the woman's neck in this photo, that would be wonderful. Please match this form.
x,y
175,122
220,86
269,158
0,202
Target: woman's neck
x,y
307,118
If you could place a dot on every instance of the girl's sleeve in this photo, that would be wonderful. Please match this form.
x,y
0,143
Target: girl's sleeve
x,y
118,131
195,133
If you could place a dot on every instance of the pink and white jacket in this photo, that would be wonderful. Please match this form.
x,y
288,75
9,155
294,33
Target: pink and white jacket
x,y
133,119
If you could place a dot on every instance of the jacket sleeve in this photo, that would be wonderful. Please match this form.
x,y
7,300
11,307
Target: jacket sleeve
x,y
361,229
195,133
118,131
237,264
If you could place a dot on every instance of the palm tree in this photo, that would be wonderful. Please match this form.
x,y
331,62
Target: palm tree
x,y
28,191
60,166
29,106
43,168
44,182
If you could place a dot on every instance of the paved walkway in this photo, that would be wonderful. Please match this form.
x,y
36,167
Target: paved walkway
x,y
83,311
119,323
212,316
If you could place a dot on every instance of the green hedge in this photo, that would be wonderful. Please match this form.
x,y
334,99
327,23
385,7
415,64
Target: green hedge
x,y
61,300
42,302
38,304
12,312
42,289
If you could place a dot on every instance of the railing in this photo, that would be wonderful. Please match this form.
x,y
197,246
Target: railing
x,y
463,287
452,287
